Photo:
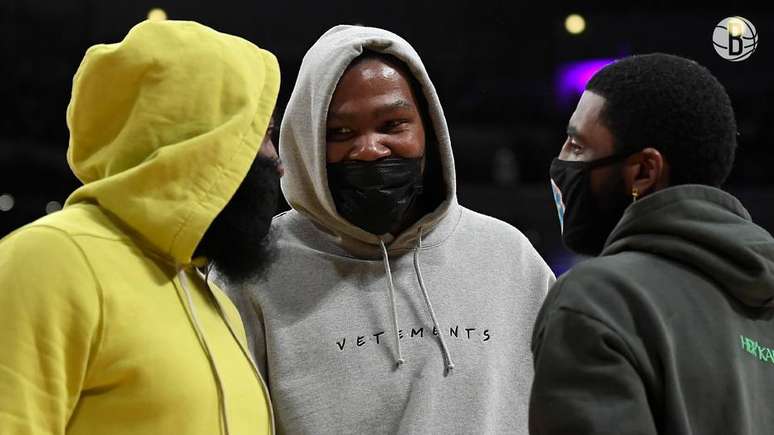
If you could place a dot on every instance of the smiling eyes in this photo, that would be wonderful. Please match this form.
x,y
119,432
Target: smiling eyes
x,y
574,147
392,126
340,131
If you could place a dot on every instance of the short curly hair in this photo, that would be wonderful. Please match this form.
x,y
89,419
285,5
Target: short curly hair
x,y
674,105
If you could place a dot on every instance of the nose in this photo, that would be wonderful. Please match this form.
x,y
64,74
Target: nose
x,y
369,148
269,150
280,168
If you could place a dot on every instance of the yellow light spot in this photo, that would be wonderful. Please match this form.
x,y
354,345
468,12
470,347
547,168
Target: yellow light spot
x,y
157,14
575,24
736,27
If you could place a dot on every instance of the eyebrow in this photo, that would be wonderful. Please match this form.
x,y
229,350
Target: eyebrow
x,y
573,132
399,104
395,105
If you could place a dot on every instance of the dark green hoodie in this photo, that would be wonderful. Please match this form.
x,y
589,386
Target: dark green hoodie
x,y
669,331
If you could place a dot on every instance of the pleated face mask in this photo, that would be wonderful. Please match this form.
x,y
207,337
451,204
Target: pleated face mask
x,y
375,195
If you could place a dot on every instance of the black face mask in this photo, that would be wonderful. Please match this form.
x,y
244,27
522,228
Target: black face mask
x,y
376,195
585,225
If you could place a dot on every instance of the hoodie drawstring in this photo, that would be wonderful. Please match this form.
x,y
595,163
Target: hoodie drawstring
x,y
391,290
444,348
181,273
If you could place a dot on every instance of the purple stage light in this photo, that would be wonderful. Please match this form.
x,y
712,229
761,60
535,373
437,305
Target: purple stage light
x,y
573,76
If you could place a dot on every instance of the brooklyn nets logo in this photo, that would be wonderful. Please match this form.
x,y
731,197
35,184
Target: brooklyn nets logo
x,y
735,38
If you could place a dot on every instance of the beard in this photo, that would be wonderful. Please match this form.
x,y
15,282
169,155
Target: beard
x,y
238,243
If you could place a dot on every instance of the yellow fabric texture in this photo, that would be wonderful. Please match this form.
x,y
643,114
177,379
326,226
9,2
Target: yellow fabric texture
x,y
96,336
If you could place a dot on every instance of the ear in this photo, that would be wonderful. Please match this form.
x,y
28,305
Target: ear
x,y
646,172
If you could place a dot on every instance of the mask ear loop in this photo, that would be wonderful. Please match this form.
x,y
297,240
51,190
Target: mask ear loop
x,y
615,158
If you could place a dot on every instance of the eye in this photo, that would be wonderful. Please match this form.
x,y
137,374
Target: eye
x,y
338,133
394,124
341,130
575,148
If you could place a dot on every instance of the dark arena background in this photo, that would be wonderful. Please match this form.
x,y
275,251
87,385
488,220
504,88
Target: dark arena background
x,y
508,76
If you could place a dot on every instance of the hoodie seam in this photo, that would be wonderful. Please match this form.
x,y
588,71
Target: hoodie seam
x,y
203,199
98,344
214,183
105,238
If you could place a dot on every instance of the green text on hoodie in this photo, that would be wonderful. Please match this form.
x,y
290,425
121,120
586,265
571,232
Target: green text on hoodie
x,y
669,331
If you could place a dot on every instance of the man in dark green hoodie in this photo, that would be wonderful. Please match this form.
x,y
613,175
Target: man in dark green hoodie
x,y
669,330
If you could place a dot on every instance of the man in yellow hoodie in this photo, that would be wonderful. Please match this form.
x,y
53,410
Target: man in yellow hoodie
x,y
108,326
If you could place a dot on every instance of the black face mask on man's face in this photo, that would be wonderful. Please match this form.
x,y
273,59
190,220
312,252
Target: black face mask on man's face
x,y
585,224
238,241
375,196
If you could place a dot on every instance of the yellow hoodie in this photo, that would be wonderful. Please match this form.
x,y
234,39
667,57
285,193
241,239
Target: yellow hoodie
x,y
106,326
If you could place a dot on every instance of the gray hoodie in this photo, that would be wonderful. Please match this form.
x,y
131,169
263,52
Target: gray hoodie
x,y
426,332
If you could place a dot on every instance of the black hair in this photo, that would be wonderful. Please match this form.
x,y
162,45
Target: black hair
x,y
674,105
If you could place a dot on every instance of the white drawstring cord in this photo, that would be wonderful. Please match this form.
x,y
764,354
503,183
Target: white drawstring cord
x,y
391,289
181,273
444,348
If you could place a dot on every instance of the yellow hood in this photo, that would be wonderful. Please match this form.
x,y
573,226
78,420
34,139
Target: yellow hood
x,y
165,124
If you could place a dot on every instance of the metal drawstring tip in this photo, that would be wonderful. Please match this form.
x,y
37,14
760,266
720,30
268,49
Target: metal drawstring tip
x,y
449,368
399,363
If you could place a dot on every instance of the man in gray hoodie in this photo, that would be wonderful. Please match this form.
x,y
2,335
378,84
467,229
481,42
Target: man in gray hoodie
x,y
389,308
669,330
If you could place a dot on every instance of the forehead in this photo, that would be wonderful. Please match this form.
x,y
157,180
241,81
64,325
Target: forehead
x,y
587,113
372,76
586,123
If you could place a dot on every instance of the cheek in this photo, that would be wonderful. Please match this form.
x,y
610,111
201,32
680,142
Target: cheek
x,y
336,152
410,144
268,149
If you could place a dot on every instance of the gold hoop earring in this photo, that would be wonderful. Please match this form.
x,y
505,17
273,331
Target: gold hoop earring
x,y
635,194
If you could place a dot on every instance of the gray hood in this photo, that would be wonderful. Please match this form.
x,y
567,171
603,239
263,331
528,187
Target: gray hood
x,y
704,228
303,132
426,332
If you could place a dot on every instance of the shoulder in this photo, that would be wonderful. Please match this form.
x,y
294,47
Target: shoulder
x,y
39,242
498,237
43,262
491,228
82,220
614,273
284,218
291,222
613,289
292,228
503,248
